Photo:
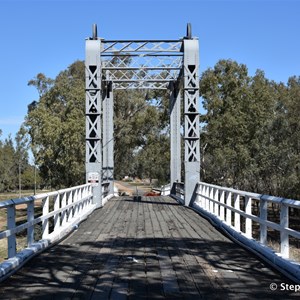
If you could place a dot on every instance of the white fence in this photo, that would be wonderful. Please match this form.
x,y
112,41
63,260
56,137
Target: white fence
x,y
45,218
165,190
177,191
244,216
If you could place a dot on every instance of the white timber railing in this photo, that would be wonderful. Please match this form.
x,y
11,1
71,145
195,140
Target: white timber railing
x,y
165,190
42,220
177,191
246,217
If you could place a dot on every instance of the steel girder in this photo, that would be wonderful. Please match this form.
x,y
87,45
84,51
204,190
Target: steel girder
x,y
142,64
175,136
108,138
191,117
93,111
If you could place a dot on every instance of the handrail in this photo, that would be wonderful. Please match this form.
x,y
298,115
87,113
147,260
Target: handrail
x,y
232,210
177,191
58,212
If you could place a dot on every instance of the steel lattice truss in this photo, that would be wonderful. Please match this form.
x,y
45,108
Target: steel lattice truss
x,y
146,64
141,64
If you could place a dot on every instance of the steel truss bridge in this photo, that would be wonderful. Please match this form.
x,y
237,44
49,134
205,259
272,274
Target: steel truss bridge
x,y
142,64
153,247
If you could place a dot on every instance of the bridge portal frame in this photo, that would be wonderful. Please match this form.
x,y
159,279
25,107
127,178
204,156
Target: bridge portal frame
x,y
141,64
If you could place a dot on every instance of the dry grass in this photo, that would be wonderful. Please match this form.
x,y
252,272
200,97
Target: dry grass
x,y
15,195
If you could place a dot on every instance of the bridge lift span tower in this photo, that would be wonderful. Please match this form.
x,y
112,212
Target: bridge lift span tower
x,y
153,64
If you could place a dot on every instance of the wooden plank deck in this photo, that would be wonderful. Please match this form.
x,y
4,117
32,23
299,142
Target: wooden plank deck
x,y
152,249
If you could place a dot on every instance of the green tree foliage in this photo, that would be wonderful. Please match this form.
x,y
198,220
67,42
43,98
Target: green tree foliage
x,y
250,134
15,170
56,125
8,166
287,129
140,129
30,177
224,91
152,159
249,139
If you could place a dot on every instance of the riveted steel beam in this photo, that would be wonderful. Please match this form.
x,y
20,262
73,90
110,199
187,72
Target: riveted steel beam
x,y
93,112
108,138
191,117
175,136
142,64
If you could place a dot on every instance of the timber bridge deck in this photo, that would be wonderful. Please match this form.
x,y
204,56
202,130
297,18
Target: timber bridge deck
x,y
148,249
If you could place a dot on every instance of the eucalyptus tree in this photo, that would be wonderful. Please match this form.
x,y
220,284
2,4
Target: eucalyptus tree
x,y
56,124
225,93
8,166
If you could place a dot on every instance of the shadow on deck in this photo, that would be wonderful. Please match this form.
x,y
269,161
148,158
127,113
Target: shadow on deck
x,y
151,249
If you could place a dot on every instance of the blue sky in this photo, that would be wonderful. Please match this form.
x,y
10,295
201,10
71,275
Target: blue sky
x,y
47,36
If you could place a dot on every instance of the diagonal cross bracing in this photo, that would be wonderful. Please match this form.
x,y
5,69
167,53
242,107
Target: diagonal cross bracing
x,y
141,64
118,46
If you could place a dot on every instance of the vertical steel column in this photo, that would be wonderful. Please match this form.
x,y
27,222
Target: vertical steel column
x,y
175,140
93,116
108,138
191,117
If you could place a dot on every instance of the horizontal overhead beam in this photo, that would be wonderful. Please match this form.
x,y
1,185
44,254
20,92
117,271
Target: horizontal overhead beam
x,y
142,64
141,55
140,41
141,46
140,80
140,85
141,68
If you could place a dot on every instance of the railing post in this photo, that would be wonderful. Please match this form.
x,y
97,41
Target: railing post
x,y
80,205
216,205
75,207
237,216
200,198
222,196
84,203
211,196
284,237
228,211
248,221
45,223
69,201
11,224
206,193
89,191
56,216
88,194
64,213
263,213
30,217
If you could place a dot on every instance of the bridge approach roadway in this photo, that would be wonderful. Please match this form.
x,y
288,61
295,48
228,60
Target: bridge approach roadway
x,y
151,249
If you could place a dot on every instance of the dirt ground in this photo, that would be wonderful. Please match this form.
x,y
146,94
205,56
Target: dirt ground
x,y
130,189
123,188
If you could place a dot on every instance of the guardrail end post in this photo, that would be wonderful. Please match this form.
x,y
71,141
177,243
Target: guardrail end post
x,y
263,213
30,217
11,224
284,237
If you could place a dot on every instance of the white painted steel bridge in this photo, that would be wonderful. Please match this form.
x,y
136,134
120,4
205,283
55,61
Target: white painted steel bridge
x,y
243,216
